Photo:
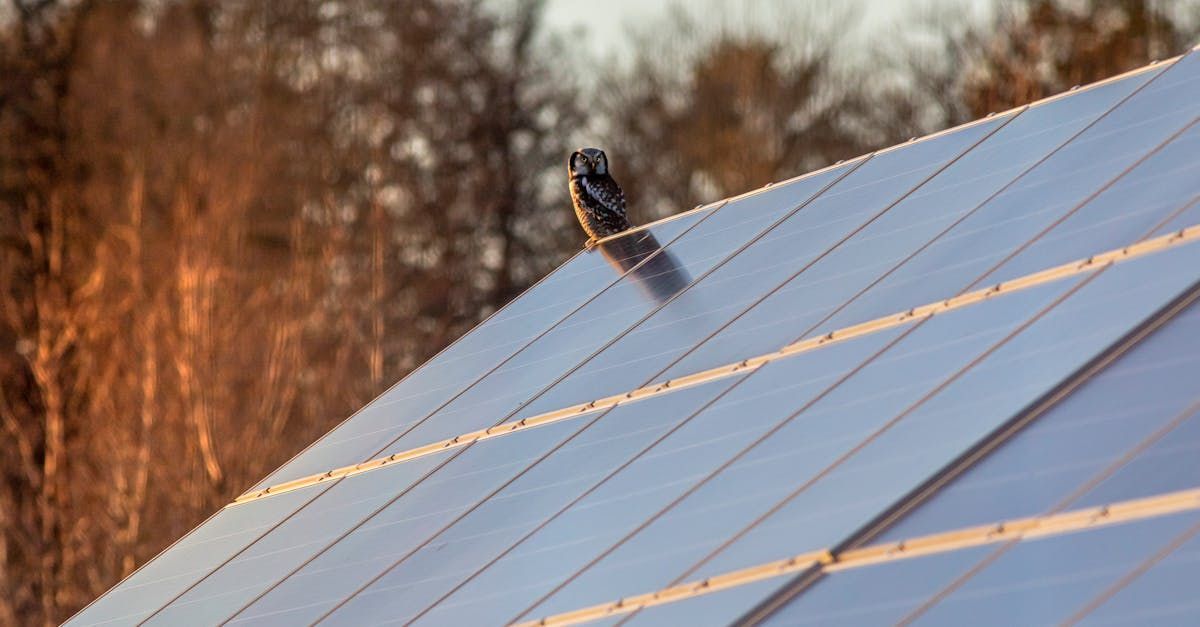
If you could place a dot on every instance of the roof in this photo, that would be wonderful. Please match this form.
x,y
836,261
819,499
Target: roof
x,y
947,382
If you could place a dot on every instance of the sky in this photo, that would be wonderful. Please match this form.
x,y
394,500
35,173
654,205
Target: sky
x,y
604,23
609,21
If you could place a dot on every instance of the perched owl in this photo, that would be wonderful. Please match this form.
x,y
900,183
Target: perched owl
x,y
599,201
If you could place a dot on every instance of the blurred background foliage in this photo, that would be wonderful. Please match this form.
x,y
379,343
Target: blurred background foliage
x,y
227,224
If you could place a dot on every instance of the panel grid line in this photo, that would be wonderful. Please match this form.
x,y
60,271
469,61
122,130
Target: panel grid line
x,y
395,385
333,477
964,577
888,425
328,485
1112,79
1132,575
765,436
1005,432
462,443
502,428
1183,236
885,427
1074,210
1069,499
610,285
1010,256
830,561
602,404
1015,111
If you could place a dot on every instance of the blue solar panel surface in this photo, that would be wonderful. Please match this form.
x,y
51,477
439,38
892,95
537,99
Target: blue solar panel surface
x,y
889,350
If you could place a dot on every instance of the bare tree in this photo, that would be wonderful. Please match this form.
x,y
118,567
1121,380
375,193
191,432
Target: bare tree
x,y
227,222
702,113
959,69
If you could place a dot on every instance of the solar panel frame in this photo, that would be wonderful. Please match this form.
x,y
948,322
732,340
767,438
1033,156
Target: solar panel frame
x,y
396,591
908,583
1035,252
491,396
846,407
1151,578
319,491
800,584
1035,471
1013,220
392,400
754,544
1108,95
1087,561
847,168
830,219
187,560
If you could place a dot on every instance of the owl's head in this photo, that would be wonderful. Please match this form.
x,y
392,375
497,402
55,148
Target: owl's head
x,y
587,161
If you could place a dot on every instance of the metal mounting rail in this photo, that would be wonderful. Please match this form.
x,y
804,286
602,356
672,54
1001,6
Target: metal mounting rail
x,y
1082,266
1004,531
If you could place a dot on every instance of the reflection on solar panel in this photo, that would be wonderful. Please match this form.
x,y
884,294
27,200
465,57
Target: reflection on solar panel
x,y
950,382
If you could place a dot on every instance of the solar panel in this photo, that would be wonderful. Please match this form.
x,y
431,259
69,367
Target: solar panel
x,y
505,391
1044,581
1183,219
1168,465
1159,591
1088,444
574,284
917,222
405,537
811,436
626,499
875,595
320,523
1036,582
1135,206
720,608
944,382
966,256
956,416
790,247
189,559
853,452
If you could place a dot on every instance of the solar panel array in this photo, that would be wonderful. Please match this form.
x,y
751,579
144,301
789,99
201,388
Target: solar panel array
x,y
949,382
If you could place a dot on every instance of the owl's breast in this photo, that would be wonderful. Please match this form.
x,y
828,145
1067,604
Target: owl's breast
x,y
600,216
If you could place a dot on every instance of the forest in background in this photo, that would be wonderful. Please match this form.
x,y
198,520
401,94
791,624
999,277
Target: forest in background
x,y
227,224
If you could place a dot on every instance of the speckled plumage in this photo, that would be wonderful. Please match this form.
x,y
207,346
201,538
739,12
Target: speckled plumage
x,y
599,201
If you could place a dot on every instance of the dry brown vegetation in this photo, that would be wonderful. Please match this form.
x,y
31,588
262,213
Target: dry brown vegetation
x,y
224,225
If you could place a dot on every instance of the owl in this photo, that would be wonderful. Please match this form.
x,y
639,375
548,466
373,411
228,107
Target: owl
x,y
599,201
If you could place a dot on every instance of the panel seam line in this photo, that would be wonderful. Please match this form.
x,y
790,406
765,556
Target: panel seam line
x,y
828,561
1158,244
